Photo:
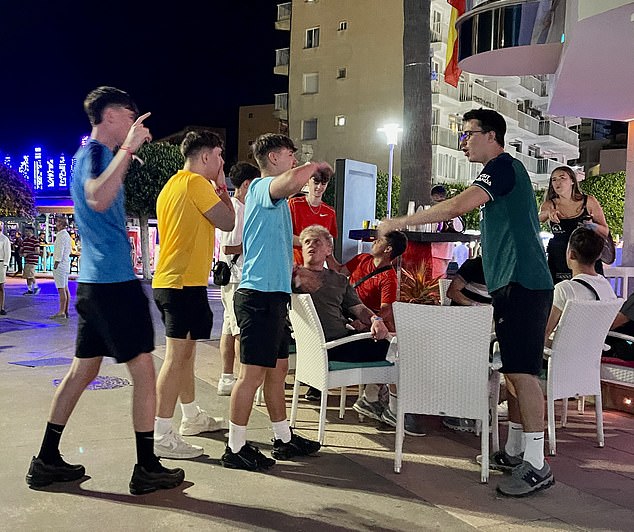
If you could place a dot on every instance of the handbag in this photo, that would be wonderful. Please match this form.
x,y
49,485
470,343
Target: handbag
x,y
221,271
608,255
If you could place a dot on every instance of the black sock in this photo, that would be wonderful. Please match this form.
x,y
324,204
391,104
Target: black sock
x,y
145,449
49,452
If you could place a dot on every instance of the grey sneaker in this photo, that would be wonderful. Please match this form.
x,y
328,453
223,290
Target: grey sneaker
x,y
526,479
414,425
373,410
501,461
203,422
171,445
459,424
388,417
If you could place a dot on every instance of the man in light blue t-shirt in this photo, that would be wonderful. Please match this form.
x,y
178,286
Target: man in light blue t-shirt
x,y
261,302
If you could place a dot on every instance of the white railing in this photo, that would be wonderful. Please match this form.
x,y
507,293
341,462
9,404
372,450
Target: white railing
x,y
548,127
281,101
483,96
528,122
282,56
507,107
535,85
284,11
443,136
439,86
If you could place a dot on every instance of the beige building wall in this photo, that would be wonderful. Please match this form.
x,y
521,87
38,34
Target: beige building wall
x,y
355,36
253,121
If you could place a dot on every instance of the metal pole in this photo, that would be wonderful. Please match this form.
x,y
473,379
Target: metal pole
x,y
389,182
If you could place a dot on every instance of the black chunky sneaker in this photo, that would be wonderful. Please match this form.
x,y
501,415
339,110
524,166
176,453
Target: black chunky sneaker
x,y
298,446
248,458
146,480
41,474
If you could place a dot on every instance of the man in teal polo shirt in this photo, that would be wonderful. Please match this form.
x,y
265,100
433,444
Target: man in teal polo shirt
x,y
519,282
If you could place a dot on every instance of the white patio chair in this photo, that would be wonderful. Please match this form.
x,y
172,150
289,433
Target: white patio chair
x,y
313,368
443,367
443,286
574,360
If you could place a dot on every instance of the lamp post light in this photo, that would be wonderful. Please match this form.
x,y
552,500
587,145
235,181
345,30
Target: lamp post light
x,y
391,133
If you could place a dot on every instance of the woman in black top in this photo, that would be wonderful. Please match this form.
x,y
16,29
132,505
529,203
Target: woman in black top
x,y
565,207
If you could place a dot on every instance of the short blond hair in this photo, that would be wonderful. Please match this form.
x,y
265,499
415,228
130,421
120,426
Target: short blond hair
x,y
316,230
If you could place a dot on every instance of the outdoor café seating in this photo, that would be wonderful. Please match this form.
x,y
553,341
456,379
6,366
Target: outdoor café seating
x,y
443,367
313,368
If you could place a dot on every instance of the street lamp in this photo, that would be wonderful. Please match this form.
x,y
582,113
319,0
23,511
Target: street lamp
x,y
391,133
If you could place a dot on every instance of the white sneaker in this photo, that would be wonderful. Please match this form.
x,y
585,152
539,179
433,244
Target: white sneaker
x,y
225,385
203,422
503,411
171,445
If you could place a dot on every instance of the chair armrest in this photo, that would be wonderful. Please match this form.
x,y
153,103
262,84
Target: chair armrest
x,y
347,339
621,336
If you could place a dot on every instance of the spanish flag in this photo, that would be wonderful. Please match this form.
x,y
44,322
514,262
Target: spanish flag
x,y
452,70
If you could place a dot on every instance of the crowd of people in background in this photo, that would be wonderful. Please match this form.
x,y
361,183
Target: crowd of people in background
x,y
278,240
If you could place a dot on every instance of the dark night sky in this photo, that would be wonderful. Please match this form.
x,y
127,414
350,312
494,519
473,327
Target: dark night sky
x,y
192,63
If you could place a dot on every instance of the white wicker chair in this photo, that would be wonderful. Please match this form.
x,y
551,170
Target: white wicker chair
x,y
443,286
574,360
443,367
313,369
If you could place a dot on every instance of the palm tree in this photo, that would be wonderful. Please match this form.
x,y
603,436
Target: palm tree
x,y
416,153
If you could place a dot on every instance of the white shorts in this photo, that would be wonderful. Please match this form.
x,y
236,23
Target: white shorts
x,y
60,276
229,322
3,272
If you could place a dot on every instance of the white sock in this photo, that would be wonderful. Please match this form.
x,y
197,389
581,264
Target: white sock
x,y
513,445
281,430
162,425
227,376
190,410
534,453
393,403
371,393
237,437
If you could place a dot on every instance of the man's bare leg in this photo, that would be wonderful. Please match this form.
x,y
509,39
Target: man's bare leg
x,y
81,373
274,394
175,376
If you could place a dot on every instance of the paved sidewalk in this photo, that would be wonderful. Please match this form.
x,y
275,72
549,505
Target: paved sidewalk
x,y
349,486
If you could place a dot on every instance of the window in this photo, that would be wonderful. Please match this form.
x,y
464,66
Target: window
x,y
343,25
312,38
341,73
340,120
250,115
310,83
309,129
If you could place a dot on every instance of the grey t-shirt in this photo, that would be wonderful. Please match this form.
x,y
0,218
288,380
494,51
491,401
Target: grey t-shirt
x,y
333,301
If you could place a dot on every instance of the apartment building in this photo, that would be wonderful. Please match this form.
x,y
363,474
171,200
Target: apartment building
x,y
254,120
345,80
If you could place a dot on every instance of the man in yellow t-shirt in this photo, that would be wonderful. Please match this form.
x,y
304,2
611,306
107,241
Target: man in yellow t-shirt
x,y
189,208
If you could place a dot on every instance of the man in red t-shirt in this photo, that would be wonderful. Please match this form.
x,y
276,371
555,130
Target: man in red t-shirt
x,y
311,210
377,292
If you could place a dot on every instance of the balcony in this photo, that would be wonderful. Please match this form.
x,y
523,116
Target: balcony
x,y
548,127
283,21
443,136
537,86
439,86
281,105
282,58
511,36
435,32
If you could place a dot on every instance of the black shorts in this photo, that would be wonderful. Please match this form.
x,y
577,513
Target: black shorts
x,y
520,317
263,321
114,321
185,311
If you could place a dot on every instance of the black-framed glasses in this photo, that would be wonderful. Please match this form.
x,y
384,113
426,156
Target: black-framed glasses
x,y
465,135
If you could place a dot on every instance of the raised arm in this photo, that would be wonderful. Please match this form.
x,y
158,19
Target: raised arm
x,y
292,181
464,202
102,190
